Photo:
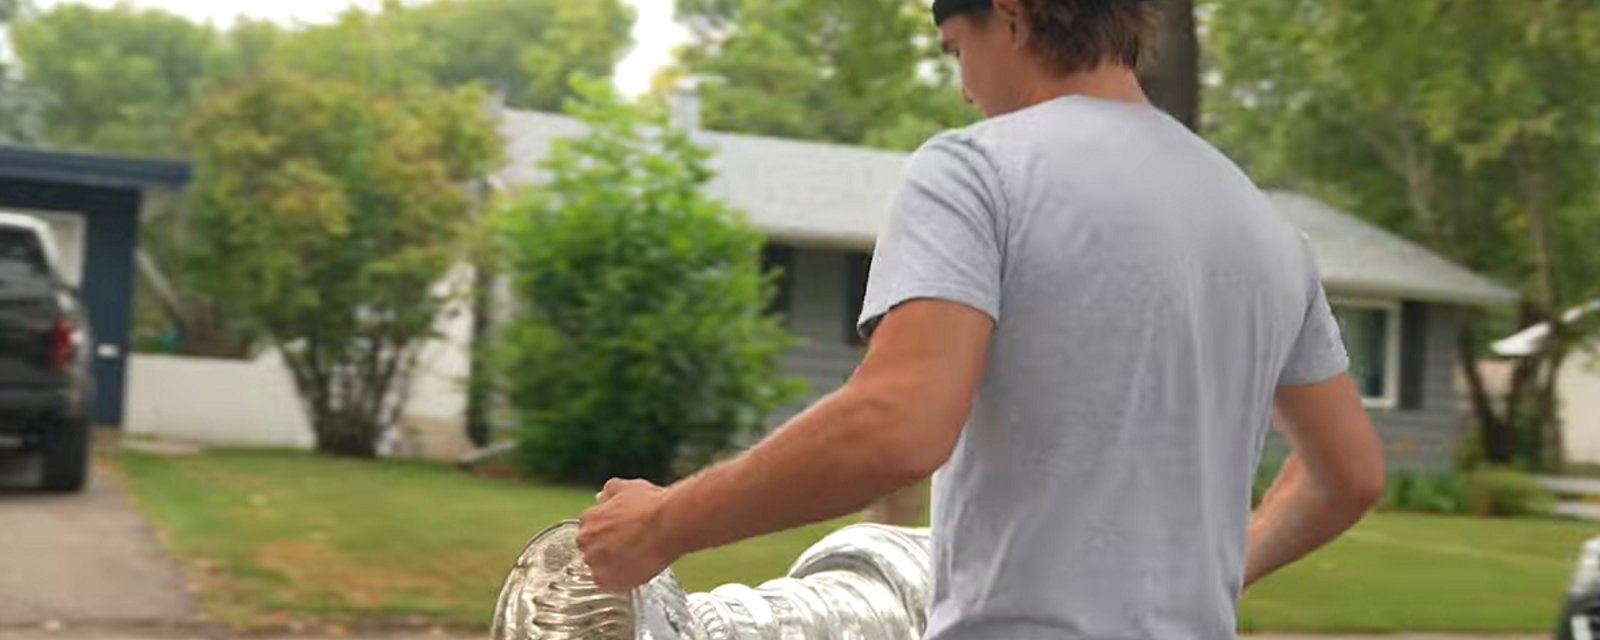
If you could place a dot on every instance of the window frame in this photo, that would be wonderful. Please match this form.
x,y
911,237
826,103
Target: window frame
x,y
1393,332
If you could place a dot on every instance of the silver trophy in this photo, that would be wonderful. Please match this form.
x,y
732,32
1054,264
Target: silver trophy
x,y
863,582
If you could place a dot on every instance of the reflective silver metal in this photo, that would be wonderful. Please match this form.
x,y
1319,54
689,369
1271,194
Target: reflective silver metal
x,y
863,582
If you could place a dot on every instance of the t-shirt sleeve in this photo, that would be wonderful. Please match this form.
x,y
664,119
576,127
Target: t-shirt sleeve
x,y
1318,353
942,239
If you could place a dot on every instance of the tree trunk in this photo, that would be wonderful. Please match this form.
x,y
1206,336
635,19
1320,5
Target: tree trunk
x,y
1497,438
479,377
1545,426
1172,76
342,434
1552,455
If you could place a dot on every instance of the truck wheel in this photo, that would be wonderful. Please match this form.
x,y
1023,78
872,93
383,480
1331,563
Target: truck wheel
x,y
66,457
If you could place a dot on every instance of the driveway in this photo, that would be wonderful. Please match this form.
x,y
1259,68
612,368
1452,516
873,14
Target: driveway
x,y
84,558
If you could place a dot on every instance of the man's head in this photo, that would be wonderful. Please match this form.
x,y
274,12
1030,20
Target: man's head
x,y
1006,47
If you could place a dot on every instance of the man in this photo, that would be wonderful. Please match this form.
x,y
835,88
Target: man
x,y
1082,317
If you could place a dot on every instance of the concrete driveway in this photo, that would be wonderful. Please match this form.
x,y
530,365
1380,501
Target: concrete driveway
x,y
84,558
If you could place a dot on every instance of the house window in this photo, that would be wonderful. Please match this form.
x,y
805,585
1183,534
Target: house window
x,y
779,259
855,292
1372,337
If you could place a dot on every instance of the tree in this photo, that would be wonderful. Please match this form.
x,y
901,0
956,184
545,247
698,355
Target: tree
x,y
118,80
326,215
1172,76
642,343
851,71
21,108
524,49
528,49
123,79
1474,140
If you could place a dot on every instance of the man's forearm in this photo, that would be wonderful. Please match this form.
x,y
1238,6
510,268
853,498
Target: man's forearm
x,y
1295,519
833,459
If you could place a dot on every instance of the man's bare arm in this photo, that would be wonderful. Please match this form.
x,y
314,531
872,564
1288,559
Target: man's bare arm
x,y
893,424
1334,476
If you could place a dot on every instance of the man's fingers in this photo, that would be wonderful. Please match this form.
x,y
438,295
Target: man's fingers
x,y
613,487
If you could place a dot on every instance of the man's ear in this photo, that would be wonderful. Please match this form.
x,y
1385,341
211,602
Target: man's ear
x,y
1011,12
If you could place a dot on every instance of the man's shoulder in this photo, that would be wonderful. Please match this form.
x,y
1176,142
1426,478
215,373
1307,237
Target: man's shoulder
x,y
1039,129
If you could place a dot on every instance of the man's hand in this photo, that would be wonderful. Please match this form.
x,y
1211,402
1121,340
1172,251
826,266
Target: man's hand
x,y
621,538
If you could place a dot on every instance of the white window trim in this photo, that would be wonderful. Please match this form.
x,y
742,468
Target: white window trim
x,y
1390,399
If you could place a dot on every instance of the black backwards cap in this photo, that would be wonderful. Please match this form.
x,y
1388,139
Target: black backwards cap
x,y
947,9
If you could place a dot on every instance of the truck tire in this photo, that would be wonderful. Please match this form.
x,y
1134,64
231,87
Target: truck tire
x,y
66,458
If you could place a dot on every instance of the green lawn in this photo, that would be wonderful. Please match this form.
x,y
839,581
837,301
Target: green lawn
x,y
277,537
280,537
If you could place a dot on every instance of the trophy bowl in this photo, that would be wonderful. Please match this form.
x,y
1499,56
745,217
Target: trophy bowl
x,y
862,582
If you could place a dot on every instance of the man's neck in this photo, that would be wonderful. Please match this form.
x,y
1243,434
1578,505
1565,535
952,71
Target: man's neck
x,y
1107,82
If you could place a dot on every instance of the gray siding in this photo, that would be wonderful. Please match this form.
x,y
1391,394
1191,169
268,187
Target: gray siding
x,y
1424,431
817,307
1424,434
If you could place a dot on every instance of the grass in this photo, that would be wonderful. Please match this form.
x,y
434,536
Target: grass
x,y
1403,572
276,539
281,537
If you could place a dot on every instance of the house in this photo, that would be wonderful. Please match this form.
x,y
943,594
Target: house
x,y
821,206
93,204
1577,384
1399,307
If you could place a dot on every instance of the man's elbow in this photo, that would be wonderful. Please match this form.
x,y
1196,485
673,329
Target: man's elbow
x,y
1368,491
905,448
1362,490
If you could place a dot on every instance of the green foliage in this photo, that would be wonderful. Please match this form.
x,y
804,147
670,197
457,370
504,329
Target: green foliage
x,y
527,49
642,340
324,215
21,108
1447,492
1498,492
835,70
118,79
1479,141
124,79
1489,492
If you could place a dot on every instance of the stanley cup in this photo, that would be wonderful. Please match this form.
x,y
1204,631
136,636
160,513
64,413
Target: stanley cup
x,y
863,582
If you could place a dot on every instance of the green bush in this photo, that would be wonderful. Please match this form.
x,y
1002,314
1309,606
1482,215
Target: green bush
x,y
1445,492
1501,492
642,344
1494,492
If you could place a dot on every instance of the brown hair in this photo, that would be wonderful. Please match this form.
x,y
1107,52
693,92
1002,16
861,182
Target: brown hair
x,y
1077,35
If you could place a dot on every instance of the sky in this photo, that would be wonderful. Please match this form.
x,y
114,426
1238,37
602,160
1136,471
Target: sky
x,y
654,35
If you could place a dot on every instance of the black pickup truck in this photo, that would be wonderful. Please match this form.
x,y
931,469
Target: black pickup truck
x,y
45,380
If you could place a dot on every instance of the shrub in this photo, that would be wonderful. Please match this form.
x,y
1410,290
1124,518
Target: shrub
x,y
1427,492
1501,492
324,215
642,345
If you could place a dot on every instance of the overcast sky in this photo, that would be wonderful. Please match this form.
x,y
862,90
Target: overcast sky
x,y
654,35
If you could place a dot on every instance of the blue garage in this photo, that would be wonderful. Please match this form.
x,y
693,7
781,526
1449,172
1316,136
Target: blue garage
x,y
93,204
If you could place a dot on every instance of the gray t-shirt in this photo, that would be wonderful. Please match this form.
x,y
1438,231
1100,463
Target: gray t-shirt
x,y
1148,302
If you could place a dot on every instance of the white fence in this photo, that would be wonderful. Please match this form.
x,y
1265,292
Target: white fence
x,y
219,402
253,403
